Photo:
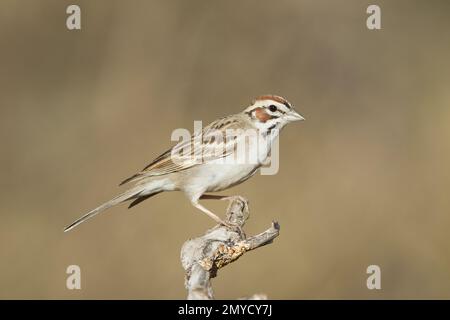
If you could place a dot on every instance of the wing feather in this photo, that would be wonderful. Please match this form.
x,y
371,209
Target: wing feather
x,y
211,144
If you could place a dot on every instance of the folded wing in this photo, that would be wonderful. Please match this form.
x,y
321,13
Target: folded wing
x,y
212,143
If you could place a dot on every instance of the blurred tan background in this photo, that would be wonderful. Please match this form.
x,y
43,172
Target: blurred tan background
x,y
364,180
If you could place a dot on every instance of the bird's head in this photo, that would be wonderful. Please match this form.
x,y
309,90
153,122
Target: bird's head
x,y
270,111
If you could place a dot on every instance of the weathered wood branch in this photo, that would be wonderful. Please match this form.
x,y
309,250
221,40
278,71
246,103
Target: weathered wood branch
x,y
202,257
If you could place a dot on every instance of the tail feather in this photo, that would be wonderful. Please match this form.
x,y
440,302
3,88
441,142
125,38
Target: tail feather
x,y
129,179
139,199
127,195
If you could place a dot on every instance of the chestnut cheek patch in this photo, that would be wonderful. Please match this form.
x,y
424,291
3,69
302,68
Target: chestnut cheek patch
x,y
262,115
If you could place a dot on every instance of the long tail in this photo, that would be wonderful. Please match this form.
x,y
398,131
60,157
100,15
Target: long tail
x,y
127,195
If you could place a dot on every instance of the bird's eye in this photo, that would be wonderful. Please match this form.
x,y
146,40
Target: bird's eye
x,y
272,108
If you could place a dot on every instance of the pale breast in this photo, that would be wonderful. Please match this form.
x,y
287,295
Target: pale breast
x,y
222,173
221,177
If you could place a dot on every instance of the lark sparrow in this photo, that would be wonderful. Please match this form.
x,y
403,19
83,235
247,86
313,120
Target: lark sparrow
x,y
218,168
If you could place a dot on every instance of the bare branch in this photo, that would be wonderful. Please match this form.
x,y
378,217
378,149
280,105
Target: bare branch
x,y
202,257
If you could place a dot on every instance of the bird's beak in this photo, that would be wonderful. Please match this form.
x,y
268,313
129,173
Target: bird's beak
x,y
294,116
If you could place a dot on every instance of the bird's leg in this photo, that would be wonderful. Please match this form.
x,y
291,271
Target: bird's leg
x,y
220,197
213,197
217,218
228,198
209,213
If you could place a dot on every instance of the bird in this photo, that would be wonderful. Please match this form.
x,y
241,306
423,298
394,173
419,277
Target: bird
x,y
210,160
